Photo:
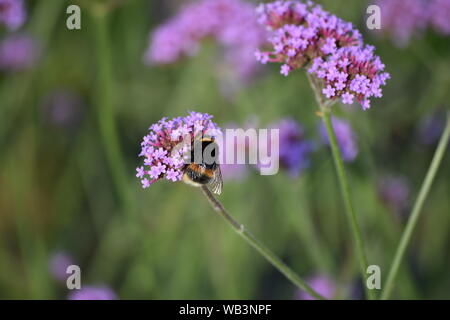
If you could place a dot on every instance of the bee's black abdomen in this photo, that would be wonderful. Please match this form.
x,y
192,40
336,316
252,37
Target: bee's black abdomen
x,y
195,173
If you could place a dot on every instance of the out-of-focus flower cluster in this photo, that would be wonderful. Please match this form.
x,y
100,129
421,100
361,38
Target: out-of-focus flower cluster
x,y
93,293
394,193
63,108
404,19
303,35
18,51
166,146
322,284
295,149
345,138
12,13
431,127
232,23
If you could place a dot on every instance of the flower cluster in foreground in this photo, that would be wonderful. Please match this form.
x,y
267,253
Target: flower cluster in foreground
x,y
403,19
232,23
165,147
303,35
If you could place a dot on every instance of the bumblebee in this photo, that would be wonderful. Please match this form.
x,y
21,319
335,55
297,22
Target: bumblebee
x,y
203,168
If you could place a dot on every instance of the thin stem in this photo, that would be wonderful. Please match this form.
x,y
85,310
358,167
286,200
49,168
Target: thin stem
x,y
415,213
255,243
345,190
343,183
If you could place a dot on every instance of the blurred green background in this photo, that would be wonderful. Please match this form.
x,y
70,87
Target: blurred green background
x,y
71,187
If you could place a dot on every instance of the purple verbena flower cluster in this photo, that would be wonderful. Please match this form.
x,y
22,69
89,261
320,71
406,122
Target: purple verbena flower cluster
x,y
93,293
322,284
404,19
18,52
303,35
12,13
58,264
431,127
294,148
232,23
439,16
166,146
394,192
345,138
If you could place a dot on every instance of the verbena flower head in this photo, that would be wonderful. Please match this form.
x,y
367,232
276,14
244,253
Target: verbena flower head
x,y
93,293
303,35
18,52
167,144
295,149
323,285
345,138
12,13
232,23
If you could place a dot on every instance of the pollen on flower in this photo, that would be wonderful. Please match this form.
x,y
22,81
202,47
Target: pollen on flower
x,y
165,146
303,35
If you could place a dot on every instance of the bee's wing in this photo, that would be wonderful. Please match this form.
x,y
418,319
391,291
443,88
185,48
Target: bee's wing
x,y
216,183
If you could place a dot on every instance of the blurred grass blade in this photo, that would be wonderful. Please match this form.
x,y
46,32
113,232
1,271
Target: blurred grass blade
x,y
415,213
105,112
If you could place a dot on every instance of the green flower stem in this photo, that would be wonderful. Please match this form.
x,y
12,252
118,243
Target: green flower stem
x,y
415,213
343,183
255,243
339,164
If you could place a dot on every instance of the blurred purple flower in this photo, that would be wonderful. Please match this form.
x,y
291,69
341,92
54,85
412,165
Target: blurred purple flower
x,y
93,293
164,149
58,265
303,35
323,285
232,23
12,13
440,15
234,172
294,148
431,128
18,52
401,19
63,108
394,192
345,138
